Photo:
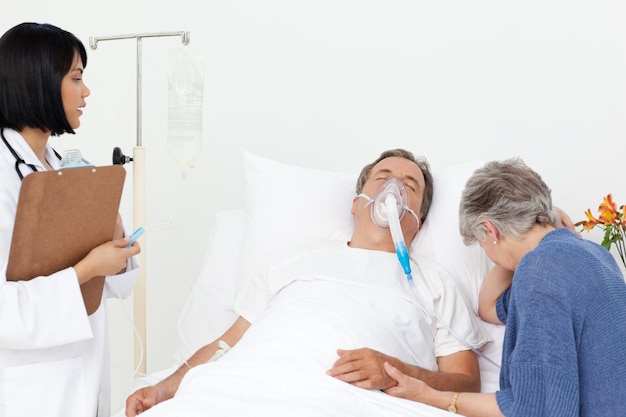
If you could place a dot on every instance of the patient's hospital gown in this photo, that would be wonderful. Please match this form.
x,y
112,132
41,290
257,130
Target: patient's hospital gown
x,y
302,311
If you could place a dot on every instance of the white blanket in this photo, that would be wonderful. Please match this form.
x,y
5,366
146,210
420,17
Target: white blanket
x,y
279,367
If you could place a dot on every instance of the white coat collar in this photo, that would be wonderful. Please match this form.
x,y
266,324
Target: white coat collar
x,y
19,144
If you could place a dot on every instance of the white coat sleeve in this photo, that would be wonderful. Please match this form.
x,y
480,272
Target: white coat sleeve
x,y
121,285
42,312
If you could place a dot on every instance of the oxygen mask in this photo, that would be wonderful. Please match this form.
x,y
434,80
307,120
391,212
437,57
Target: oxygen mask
x,y
387,210
392,191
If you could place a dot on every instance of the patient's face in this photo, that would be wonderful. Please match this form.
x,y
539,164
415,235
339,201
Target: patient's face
x,y
413,179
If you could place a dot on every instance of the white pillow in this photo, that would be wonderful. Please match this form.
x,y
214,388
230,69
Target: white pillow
x,y
286,203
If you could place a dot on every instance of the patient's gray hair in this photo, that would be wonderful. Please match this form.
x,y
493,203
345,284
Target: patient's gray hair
x,y
421,162
510,195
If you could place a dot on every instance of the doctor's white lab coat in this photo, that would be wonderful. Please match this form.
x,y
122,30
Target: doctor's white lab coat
x,y
54,359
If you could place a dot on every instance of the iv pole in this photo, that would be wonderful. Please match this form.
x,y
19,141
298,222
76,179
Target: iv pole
x,y
139,195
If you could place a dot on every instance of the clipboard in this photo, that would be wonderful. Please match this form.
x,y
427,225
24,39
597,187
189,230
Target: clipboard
x,y
62,215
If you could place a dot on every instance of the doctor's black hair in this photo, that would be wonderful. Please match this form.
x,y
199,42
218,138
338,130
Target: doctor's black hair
x,y
422,164
34,59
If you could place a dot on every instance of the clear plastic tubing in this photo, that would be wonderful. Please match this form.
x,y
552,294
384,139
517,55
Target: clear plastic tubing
x,y
397,236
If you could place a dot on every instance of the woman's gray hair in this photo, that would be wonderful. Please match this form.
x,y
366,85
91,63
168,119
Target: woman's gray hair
x,y
510,195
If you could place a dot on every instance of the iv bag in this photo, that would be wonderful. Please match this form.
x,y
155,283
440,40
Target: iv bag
x,y
185,95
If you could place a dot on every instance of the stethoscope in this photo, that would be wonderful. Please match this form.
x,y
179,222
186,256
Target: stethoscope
x,y
18,160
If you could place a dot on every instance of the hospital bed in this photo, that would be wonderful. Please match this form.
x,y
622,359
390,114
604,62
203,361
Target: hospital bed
x,y
286,203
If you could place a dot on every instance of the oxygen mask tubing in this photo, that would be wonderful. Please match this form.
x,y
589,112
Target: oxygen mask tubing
x,y
387,210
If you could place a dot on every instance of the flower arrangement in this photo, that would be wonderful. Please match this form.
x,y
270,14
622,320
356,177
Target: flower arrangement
x,y
612,221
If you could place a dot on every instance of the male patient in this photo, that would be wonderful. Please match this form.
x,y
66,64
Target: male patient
x,y
331,295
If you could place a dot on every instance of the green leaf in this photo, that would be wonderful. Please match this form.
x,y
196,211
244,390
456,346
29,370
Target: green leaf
x,y
607,241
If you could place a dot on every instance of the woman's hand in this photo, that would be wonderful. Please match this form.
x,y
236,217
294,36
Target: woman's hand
x,y
107,259
406,387
567,222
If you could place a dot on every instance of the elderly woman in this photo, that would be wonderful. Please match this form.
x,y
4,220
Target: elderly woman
x,y
564,306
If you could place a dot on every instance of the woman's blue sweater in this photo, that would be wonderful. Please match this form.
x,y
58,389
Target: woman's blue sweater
x,y
564,351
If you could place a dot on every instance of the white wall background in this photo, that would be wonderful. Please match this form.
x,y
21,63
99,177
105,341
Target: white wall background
x,y
331,83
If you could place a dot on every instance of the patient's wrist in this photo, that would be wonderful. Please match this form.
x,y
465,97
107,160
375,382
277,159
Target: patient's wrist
x,y
168,387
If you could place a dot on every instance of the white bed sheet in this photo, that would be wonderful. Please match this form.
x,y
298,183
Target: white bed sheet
x,y
279,368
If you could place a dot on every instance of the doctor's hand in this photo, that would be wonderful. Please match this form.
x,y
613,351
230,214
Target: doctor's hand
x,y
107,259
143,399
363,368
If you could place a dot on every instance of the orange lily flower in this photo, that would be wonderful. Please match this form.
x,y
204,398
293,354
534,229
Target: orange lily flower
x,y
608,210
612,222
590,223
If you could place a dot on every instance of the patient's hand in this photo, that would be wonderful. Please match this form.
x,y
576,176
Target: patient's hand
x,y
143,399
363,368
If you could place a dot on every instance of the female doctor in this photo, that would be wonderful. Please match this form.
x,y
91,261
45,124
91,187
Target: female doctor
x,y
54,358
